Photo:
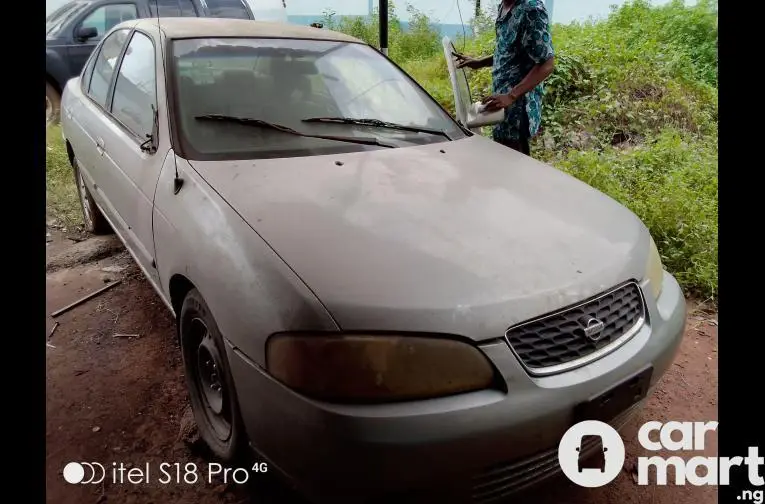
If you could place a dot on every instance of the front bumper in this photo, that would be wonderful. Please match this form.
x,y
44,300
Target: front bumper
x,y
477,446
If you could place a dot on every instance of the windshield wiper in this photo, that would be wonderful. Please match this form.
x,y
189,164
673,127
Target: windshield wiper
x,y
251,121
152,139
378,123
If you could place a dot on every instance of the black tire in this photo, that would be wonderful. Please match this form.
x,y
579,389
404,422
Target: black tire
x,y
52,104
92,218
209,381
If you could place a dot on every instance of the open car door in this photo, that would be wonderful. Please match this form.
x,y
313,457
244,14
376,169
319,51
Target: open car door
x,y
469,113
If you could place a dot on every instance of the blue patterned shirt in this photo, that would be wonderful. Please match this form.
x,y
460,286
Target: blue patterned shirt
x,y
523,41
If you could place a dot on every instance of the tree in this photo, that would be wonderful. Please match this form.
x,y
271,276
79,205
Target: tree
x,y
477,8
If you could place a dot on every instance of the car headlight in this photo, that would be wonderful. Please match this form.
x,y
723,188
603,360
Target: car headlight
x,y
654,270
376,368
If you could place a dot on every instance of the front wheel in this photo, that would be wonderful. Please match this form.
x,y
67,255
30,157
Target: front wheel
x,y
209,380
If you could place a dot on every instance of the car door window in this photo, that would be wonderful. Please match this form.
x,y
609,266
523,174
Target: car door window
x,y
104,66
173,8
227,9
135,91
87,72
107,17
61,17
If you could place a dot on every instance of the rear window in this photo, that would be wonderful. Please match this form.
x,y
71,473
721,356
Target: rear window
x,y
172,8
233,9
105,64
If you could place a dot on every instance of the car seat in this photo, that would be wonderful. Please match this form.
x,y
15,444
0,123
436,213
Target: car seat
x,y
235,93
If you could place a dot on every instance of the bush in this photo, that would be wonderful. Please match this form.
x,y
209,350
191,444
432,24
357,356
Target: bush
x,y
62,200
643,69
671,183
421,41
631,109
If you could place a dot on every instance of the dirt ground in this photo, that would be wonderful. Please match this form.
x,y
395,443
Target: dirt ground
x,y
115,392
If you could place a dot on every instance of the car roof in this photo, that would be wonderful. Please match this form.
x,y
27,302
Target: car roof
x,y
190,27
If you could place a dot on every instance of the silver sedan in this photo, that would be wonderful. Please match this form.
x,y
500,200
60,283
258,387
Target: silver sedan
x,y
374,299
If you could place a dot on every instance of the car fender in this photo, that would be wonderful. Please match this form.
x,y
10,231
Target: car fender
x,y
251,292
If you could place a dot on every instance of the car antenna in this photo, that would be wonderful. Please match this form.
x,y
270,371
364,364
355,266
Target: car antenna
x,y
177,181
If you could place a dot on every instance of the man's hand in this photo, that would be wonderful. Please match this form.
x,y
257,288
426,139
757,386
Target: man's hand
x,y
466,61
498,102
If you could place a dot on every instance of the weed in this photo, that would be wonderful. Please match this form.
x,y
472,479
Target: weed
x,y
61,193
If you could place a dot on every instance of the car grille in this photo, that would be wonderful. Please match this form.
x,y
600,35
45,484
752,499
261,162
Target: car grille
x,y
502,480
555,342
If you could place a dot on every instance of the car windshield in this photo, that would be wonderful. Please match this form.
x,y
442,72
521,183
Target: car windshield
x,y
285,82
61,16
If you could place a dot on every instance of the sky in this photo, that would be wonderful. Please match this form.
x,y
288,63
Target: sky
x,y
444,11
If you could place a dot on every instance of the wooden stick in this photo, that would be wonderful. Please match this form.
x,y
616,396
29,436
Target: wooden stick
x,y
82,300
53,330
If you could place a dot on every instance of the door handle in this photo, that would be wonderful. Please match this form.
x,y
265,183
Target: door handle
x,y
100,145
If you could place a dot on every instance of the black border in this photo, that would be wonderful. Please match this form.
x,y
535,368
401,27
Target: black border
x,y
741,349
27,256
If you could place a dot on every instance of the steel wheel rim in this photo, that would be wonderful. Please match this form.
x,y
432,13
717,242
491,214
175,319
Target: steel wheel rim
x,y
85,201
209,380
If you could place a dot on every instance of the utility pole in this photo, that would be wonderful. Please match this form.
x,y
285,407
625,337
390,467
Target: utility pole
x,y
384,26
550,5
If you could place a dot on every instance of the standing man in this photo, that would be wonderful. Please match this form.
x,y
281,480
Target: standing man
x,y
523,58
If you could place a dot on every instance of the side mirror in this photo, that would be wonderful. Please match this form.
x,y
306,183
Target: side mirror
x,y
605,449
477,118
577,448
86,32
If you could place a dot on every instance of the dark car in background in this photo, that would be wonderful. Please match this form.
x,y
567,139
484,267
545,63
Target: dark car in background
x,y
74,30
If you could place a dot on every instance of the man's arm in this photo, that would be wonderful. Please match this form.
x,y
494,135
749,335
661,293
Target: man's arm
x,y
535,77
474,63
537,42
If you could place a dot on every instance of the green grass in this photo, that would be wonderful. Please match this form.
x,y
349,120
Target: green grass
x,y
61,193
671,184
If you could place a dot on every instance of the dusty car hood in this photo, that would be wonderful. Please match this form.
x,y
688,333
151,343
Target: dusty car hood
x,y
466,241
